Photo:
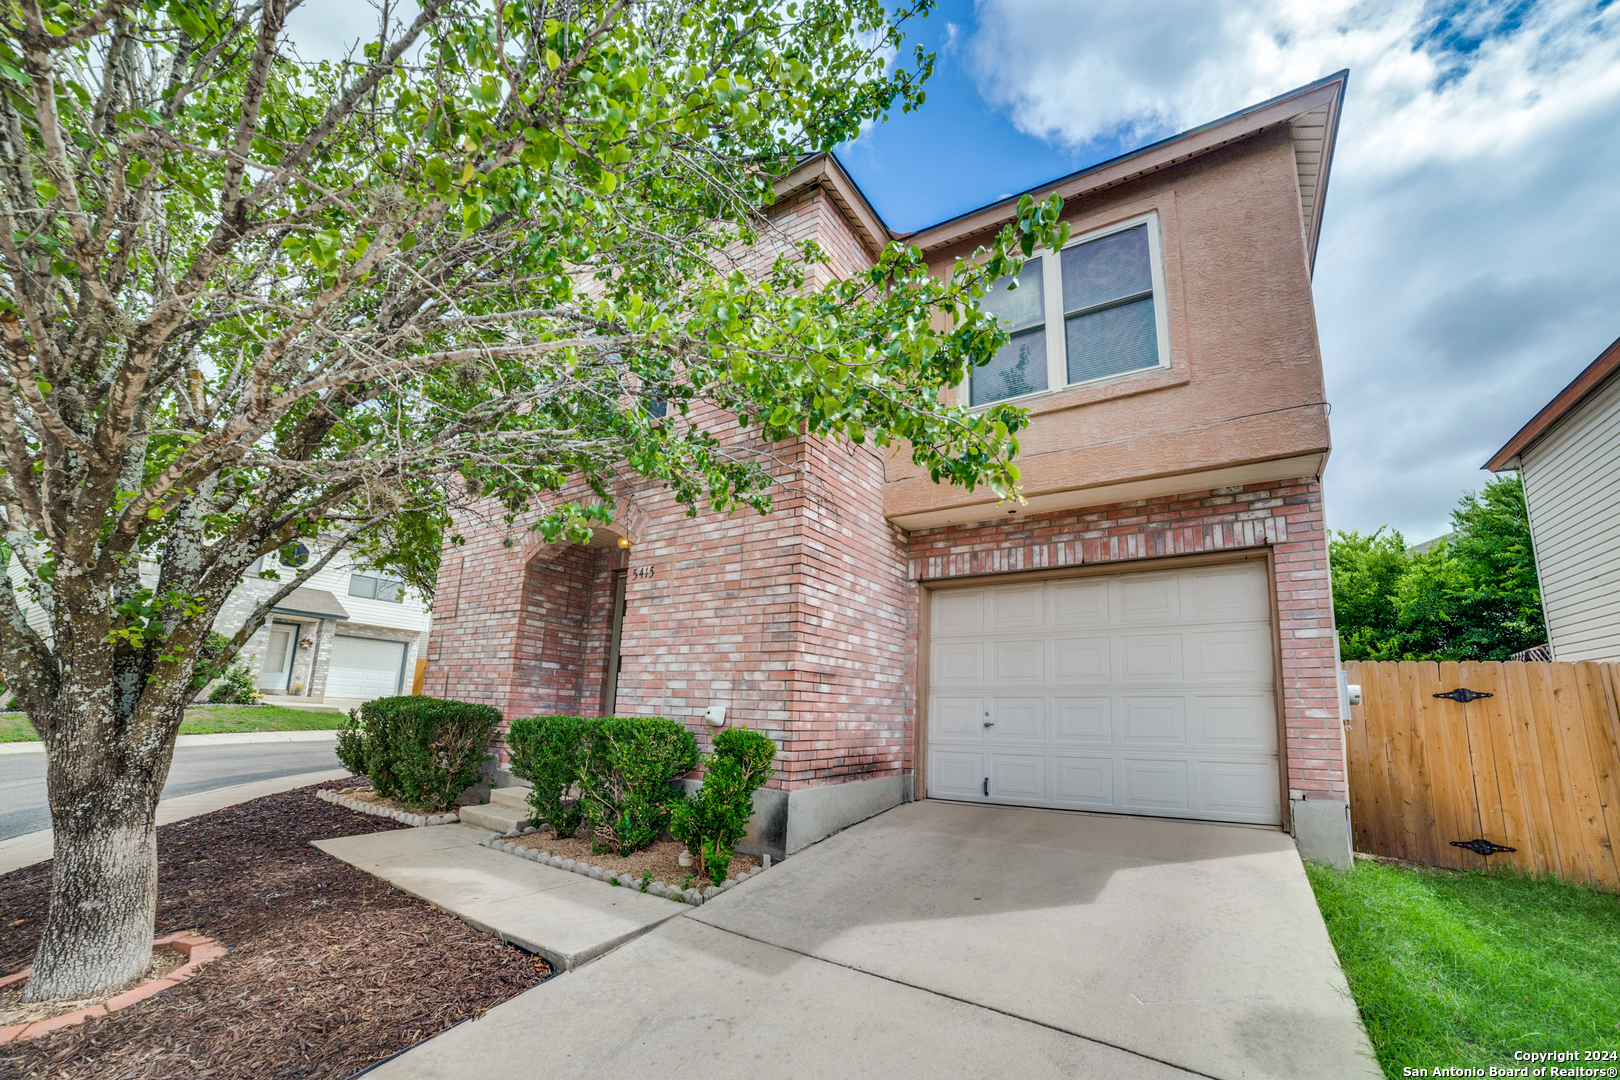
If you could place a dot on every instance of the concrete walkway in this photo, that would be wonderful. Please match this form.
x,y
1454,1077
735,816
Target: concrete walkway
x,y
30,848
958,941
565,917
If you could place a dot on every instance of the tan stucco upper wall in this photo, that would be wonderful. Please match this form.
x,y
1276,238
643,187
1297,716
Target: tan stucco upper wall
x,y
1245,376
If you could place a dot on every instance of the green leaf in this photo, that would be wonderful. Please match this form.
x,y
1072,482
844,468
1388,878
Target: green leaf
x,y
46,189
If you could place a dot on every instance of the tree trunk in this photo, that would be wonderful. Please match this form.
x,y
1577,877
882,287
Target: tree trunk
x,y
98,931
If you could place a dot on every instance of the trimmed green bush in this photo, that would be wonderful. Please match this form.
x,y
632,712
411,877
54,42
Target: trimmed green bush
x,y
420,750
711,820
236,686
625,768
546,751
627,778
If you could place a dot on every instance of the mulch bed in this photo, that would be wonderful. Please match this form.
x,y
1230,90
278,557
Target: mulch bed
x,y
330,971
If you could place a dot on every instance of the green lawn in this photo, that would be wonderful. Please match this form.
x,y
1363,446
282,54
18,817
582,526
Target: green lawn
x,y
211,720
1465,969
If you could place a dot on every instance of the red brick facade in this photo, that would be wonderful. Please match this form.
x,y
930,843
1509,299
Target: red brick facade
x,y
1285,517
803,622
799,622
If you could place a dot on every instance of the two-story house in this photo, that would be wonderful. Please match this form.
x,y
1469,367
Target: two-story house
x,y
1151,633
351,633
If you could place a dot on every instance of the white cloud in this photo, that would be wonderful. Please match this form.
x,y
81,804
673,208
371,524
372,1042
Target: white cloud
x,y
1466,268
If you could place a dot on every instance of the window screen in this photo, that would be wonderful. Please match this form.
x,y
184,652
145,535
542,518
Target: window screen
x,y
1109,320
372,585
1020,365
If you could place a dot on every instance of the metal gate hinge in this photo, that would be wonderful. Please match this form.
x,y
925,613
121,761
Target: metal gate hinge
x,y
1464,695
1482,847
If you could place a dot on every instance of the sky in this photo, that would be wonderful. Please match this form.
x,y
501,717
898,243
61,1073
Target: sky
x,y
1467,268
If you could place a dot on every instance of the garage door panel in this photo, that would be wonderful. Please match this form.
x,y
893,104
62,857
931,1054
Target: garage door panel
x,y
954,774
1019,661
957,663
960,611
1240,655
1083,782
1242,790
1081,603
1084,660
1020,777
364,667
1155,658
1020,718
1086,719
1150,598
957,717
1226,594
1156,786
1020,608
1141,693
1248,721
1154,720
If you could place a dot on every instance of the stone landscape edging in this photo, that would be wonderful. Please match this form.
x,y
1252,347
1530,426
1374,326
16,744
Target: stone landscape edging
x,y
416,820
198,950
694,897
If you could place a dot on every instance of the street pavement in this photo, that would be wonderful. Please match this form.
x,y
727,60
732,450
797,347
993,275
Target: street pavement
x,y
196,768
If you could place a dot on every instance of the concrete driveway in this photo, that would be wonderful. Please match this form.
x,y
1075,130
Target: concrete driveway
x,y
958,941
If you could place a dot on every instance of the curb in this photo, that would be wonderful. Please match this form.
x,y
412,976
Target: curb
x,y
415,820
694,897
198,950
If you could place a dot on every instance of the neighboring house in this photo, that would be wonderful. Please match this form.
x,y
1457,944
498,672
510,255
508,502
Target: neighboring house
x,y
1569,458
348,633
1151,633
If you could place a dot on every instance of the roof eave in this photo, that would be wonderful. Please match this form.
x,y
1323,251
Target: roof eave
x,y
1325,92
1566,401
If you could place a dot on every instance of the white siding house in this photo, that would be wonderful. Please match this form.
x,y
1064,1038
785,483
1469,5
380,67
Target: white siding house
x,y
349,633
1569,458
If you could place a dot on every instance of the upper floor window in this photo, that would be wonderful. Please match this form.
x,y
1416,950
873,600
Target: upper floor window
x,y
1105,290
293,556
375,585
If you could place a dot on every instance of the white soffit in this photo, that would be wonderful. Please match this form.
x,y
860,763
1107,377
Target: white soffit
x,y
1309,130
1291,468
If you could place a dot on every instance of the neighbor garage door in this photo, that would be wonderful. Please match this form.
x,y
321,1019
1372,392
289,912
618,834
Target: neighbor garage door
x,y
365,667
1144,693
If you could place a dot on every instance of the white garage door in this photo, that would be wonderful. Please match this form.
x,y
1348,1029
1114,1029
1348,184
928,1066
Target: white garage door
x,y
1144,693
365,667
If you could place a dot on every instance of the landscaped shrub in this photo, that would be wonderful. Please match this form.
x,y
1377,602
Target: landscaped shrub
x,y
712,819
627,778
236,686
421,750
625,768
546,751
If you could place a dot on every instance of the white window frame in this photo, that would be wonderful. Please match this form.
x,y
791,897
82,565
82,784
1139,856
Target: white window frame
x,y
1057,338
379,578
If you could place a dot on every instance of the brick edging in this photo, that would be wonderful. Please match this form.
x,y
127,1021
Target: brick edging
x,y
416,820
695,897
198,950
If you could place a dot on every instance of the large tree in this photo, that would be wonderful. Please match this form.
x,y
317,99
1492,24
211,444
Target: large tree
x,y
248,299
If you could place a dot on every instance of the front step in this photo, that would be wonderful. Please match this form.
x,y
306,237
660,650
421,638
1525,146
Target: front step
x,y
496,817
516,797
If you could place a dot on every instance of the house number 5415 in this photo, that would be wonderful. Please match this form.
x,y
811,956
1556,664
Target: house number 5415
x,y
640,572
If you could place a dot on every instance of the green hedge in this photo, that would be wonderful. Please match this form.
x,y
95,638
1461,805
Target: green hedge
x,y
419,750
712,819
624,770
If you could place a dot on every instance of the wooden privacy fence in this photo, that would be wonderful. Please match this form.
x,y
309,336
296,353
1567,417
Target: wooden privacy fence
x,y
1535,766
